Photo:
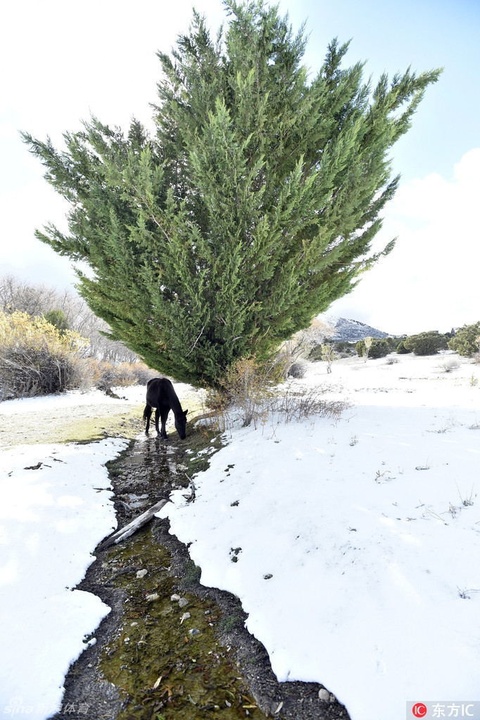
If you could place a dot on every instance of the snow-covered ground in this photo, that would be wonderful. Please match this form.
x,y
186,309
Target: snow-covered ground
x,y
352,543
56,507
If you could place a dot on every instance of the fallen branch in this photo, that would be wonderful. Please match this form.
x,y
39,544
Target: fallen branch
x,y
133,526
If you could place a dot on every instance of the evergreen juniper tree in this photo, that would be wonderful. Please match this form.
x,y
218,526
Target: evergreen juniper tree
x,y
252,207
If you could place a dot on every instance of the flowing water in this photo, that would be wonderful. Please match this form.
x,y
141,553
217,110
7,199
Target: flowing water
x,y
172,649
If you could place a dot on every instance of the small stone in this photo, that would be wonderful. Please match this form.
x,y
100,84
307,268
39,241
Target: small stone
x,y
268,576
152,597
175,597
182,602
141,573
194,632
185,616
326,696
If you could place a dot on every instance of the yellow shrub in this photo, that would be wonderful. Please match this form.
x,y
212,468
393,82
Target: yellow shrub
x,y
19,329
37,358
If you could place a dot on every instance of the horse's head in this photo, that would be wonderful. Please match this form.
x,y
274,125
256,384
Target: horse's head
x,y
181,423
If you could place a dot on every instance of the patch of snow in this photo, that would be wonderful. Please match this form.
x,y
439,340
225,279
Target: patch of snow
x,y
56,507
352,543
356,541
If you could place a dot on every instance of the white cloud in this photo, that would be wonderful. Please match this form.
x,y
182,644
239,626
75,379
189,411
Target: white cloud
x,y
23,209
430,280
66,62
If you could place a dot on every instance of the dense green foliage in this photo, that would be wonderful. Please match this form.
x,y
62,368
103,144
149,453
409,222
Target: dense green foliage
x,y
250,210
378,348
466,341
401,349
58,319
426,343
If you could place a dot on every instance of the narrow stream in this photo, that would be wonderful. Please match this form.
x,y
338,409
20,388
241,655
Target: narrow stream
x,y
171,649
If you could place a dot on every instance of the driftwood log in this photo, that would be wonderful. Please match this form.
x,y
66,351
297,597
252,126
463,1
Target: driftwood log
x,y
133,526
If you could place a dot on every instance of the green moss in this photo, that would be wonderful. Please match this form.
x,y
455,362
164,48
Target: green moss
x,y
166,659
125,424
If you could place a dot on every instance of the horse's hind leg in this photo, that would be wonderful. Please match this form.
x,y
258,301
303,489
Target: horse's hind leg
x,y
157,418
164,416
147,414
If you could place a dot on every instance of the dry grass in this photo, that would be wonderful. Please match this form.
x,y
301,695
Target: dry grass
x,y
251,394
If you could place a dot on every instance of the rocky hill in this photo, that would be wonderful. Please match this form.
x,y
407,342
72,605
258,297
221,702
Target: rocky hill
x,y
346,330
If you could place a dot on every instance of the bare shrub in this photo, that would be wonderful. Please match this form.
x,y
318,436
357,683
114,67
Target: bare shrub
x,y
296,404
250,390
247,385
27,372
449,366
107,375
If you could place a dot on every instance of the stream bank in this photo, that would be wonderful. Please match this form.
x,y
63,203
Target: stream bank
x,y
171,648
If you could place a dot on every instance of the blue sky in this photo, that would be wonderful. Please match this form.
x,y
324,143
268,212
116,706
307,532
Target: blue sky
x,y
64,61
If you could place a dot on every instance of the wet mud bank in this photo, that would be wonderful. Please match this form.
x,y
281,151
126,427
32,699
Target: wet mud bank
x,y
172,649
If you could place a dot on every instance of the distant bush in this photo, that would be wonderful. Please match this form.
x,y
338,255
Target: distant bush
x,y
344,349
316,354
291,356
298,369
401,349
466,341
36,358
58,319
106,375
373,347
426,343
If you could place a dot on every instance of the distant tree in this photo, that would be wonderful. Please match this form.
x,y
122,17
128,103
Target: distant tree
x,y
466,340
328,355
373,348
248,212
20,296
401,349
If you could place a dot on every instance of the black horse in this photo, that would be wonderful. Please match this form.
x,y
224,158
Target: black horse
x,y
162,397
